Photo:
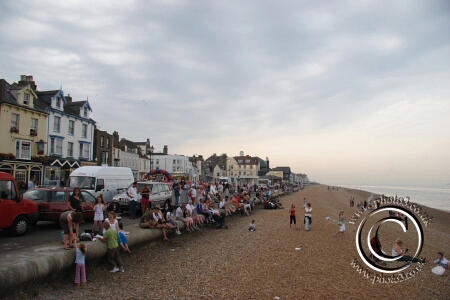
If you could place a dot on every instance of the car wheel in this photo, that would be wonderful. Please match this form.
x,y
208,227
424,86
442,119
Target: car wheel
x,y
20,226
167,205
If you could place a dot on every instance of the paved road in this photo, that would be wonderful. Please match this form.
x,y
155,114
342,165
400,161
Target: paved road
x,y
43,233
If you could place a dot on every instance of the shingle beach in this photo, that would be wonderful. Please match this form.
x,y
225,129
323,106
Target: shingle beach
x,y
266,264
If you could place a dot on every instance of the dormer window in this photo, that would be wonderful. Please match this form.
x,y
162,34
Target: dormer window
x,y
26,99
85,110
58,102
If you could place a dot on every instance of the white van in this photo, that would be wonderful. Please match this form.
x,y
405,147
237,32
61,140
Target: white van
x,y
225,180
97,179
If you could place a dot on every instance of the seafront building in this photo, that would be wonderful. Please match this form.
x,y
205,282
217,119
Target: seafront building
x,y
46,135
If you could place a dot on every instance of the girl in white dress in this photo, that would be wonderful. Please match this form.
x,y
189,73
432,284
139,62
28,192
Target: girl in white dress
x,y
341,223
99,208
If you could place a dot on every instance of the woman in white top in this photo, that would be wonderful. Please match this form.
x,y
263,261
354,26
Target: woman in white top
x,y
308,216
397,251
114,224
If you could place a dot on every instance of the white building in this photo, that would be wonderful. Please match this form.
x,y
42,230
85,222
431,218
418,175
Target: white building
x,y
70,134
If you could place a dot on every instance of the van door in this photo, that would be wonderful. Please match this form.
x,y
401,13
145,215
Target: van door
x,y
9,208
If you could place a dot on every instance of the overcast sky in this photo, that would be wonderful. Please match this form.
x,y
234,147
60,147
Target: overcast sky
x,y
348,92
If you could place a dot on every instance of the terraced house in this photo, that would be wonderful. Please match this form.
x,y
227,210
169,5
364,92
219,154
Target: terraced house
x,y
23,126
62,135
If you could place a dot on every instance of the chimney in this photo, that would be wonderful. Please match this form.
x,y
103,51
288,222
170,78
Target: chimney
x,y
165,150
116,137
27,80
267,163
69,98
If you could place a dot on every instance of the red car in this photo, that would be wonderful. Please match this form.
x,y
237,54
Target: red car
x,y
54,201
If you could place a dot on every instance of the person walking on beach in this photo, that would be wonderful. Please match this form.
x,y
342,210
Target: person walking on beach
x,y
308,217
341,223
80,262
292,218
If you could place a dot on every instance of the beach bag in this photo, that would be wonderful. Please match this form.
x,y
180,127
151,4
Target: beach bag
x,y
438,270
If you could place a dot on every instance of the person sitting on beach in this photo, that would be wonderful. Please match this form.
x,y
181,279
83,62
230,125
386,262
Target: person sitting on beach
x,y
113,222
170,220
252,226
237,204
397,251
180,214
192,213
158,222
441,260
146,220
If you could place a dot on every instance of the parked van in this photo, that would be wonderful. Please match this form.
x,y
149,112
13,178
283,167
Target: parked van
x,y
161,194
105,180
16,213
224,180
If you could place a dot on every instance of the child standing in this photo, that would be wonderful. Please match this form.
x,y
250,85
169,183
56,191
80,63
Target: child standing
x,y
252,226
99,208
292,217
341,223
80,268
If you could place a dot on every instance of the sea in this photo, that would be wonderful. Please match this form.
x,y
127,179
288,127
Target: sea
x,y
434,196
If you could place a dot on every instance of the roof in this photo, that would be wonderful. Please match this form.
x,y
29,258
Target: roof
x,y
9,93
253,160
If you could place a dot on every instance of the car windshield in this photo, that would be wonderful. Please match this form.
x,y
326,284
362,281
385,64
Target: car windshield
x,y
82,182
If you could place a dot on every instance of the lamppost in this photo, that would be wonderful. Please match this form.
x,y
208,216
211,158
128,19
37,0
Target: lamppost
x,y
151,165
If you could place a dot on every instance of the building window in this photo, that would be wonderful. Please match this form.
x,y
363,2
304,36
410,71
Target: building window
x,y
56,146
15,118
57,124
174,161
247,161
84,131
104,157
34,124
23,149
107,143
85,112
71,127
102,141
34,127
26,99
58,102
157,161
84,150
69,149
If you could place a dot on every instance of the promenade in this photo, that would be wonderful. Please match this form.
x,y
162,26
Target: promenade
x,y
237,264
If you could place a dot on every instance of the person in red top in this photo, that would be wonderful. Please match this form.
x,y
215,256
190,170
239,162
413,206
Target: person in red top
x,y
292,217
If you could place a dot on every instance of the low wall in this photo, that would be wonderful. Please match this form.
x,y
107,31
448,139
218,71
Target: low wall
x,y
22,268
